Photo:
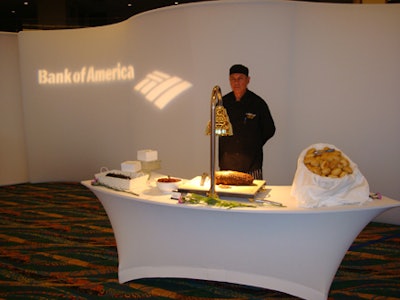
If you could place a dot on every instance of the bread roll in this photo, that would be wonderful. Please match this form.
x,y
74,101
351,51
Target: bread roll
x,y
327,162
233,178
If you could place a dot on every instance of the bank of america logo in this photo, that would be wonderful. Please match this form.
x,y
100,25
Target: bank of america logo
x,y
161,88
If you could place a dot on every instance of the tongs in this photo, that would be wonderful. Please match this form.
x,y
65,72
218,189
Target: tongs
x,y
262,199
203,178
270,202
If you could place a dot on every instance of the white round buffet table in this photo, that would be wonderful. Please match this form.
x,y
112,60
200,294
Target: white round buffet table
x,y
289,249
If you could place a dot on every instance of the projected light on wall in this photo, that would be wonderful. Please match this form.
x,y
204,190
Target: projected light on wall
x,y
161,88
86,75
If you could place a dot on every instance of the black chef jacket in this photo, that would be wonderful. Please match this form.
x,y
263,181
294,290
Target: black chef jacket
x,y
252,126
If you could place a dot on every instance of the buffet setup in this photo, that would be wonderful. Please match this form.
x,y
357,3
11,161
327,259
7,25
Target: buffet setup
x,y
227,226
230,186
325,177
286,238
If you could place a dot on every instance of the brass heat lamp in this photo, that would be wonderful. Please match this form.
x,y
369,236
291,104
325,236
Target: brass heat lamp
x,y
218,125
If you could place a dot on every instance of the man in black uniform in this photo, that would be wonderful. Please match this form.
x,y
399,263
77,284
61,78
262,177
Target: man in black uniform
x,y
252,126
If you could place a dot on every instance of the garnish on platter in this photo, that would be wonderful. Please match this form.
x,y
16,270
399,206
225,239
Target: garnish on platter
x,y
192,198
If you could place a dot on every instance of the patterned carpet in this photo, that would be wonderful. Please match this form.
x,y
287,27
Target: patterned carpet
x,y
57,243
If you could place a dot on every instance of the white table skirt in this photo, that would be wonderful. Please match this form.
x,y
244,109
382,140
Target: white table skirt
x,y
290,249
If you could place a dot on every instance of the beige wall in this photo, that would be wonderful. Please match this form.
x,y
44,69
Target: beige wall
x,y
13,160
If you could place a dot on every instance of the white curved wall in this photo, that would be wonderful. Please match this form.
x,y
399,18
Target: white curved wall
x,y
329,73
13,160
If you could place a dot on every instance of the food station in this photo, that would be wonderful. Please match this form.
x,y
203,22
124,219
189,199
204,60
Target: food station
x,y
226,227
282,247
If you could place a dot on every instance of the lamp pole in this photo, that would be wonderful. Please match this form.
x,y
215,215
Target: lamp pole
x,y
216,96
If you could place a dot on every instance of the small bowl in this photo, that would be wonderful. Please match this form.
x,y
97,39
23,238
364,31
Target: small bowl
x,y
168,184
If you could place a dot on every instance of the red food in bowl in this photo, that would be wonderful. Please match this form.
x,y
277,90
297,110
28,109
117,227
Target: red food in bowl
x,y
168,184
168,179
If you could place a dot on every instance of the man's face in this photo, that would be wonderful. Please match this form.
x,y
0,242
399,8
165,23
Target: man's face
x,y
239,83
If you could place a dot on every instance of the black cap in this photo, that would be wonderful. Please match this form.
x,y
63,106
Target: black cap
x,y
239,69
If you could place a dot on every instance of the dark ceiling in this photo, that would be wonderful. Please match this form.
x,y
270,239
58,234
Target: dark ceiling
x,y
17,15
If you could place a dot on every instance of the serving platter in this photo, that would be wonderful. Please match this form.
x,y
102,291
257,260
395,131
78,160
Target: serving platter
x,y
241,191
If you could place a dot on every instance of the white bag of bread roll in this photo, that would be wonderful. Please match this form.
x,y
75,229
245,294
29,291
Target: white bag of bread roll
x,y
325,176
